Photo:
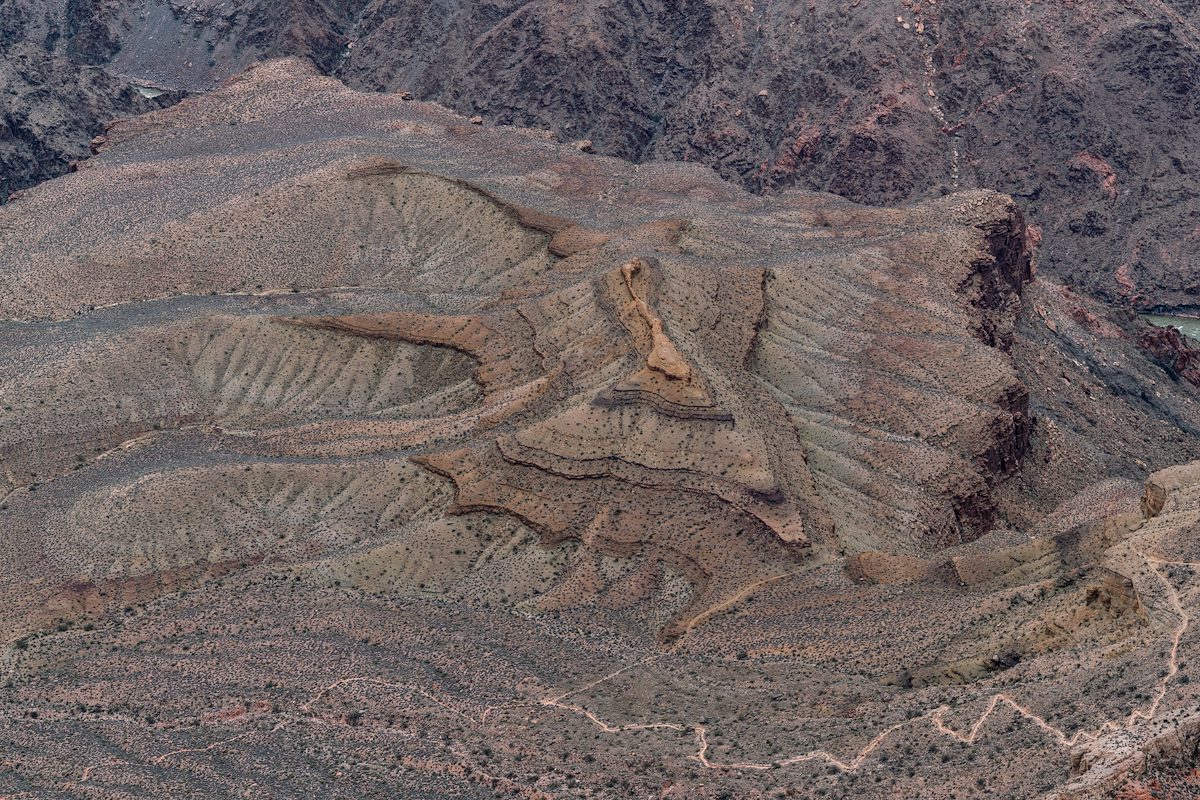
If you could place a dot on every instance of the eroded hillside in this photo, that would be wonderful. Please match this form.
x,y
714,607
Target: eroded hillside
x,y
411,457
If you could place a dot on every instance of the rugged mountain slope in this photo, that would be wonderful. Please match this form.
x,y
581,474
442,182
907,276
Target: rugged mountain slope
x,y
1085,114
654,354
53,102
350,448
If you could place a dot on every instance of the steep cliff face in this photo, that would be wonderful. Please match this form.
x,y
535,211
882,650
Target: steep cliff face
x,y
1084,115
1173,352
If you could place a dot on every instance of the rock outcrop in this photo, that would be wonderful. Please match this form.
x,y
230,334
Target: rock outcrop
x,y
1173,351
659,355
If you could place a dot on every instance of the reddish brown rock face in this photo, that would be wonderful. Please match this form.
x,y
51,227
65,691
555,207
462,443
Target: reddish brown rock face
x,y
354,448
1171,349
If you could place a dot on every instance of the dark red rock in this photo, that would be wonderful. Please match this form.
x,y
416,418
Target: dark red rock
x,y
1173,352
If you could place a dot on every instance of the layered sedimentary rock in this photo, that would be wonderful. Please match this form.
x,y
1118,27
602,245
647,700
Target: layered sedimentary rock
x,y
722,354
421,452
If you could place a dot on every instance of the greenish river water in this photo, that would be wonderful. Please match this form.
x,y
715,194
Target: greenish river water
x,y
1188,326
147,91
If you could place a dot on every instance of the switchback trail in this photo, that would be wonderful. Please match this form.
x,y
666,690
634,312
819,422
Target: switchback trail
x,y
935,717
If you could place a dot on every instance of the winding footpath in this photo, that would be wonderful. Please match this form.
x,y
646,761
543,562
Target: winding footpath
x,y
935,717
